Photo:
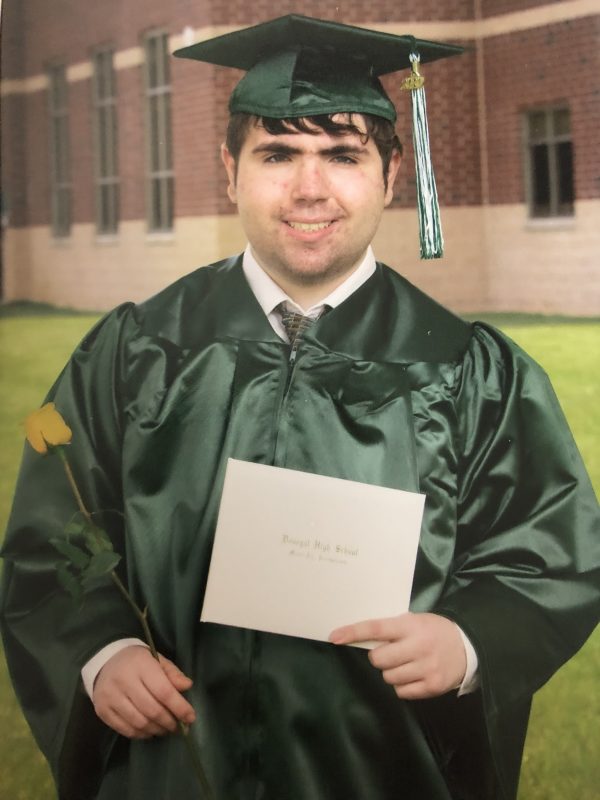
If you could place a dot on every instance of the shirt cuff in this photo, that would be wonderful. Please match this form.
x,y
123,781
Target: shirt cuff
x,y
470,682
90,669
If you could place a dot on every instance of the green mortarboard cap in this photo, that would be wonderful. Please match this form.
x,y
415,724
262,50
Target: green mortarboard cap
x,y
297,66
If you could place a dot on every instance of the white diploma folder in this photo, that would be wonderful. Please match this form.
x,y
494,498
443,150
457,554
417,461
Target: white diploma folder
x,y
301,554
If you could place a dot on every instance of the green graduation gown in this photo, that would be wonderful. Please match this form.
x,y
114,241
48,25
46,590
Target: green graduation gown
x,y
388,388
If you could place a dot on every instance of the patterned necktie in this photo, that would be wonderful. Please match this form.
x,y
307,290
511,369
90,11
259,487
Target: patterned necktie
x,y
295,324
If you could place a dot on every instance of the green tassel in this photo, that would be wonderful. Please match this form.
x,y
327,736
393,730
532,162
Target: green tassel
x,y
430,227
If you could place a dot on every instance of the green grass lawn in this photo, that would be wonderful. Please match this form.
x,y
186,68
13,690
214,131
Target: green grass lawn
x,y
562,755
32,351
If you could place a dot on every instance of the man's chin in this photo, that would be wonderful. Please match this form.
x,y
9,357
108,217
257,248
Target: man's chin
x,y
312,272
304,277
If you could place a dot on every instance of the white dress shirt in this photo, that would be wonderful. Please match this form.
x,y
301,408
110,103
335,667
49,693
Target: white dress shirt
x,y
270,295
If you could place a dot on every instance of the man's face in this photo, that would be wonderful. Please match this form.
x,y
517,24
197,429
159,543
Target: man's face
x,y
309,203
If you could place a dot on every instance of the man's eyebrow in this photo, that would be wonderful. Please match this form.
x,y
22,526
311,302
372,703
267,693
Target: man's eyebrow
x,y
279,148
344,150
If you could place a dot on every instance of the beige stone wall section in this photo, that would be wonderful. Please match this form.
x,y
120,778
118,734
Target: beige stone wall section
x,y
495,259
458,280
551,267
90,273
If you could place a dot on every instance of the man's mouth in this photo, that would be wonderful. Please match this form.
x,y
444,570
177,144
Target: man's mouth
x,y
307,227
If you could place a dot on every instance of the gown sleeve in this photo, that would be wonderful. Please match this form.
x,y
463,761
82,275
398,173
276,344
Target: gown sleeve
x,y
47,638
526,583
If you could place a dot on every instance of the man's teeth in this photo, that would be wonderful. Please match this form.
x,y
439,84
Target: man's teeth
x,y
309,226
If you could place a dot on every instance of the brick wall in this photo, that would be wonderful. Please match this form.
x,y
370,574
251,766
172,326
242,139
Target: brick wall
x,y
14,162
493,8
14,152
67,29
82,155
240,12
11,40
525,68
519,66
131,143
197,138
557,64
37,175
199,113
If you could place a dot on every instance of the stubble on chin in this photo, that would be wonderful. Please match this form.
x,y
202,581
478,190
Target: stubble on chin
x,y
306,274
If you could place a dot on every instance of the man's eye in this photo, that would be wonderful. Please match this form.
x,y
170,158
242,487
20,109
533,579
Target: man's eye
x,y
345,160
276,158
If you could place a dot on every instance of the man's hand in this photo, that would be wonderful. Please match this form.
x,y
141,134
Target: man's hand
x,y
422,655
139,697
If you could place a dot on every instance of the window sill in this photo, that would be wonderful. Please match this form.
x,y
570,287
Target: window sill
x,y
106,239
160,237
550,223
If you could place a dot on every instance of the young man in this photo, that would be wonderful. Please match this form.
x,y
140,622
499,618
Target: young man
x,y
385,387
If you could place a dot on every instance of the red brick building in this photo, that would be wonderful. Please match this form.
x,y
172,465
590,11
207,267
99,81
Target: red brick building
x,y
112,185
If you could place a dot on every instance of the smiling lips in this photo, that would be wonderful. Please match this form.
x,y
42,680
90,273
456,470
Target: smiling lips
x,y
309,227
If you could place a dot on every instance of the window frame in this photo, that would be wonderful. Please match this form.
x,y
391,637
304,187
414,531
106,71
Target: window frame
x,y
551,139
61,216
160,188
106,142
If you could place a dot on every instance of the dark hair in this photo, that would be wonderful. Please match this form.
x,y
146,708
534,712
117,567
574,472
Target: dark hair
x,y
379,129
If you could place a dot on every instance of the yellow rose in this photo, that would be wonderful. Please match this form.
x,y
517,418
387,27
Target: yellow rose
x,y
46,427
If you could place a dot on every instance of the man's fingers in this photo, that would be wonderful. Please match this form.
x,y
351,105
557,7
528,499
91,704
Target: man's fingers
x,y
168,699
136,695
127,720
148,702
380,630
391,654
404,675
144,717
121,725
411,675
422,655
179,680
413,691
137,711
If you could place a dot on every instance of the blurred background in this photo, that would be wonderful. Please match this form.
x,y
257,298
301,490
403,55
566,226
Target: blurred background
x,y
112,184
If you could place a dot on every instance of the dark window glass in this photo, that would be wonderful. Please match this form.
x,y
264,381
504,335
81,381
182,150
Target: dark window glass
x,y
105,142
550,163
60,180
565,177
541,186
158,134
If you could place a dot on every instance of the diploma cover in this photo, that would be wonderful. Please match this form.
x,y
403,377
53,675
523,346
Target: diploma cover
x,y
301,554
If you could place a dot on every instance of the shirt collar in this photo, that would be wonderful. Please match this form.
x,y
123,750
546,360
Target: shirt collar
x,y
269,295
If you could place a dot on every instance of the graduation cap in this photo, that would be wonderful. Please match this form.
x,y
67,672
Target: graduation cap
x,y
298,66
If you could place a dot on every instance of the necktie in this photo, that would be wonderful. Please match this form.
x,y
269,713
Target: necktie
x,y
295,324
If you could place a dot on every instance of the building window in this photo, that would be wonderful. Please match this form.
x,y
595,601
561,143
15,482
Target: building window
x,y
549,158
158,133
106,173
60,177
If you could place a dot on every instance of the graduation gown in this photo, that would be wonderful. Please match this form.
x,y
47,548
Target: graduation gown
x,y
388,388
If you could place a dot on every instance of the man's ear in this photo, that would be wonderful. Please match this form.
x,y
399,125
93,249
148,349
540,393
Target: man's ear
x,y
230,167
393,168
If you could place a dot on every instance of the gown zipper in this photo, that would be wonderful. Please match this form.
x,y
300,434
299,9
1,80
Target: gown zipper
x,y
291,363
251,765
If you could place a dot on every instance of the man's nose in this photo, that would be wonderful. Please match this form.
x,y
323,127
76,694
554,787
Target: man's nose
x,y
310,181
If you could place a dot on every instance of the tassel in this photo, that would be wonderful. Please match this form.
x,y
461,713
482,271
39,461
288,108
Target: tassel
x,y
430,227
